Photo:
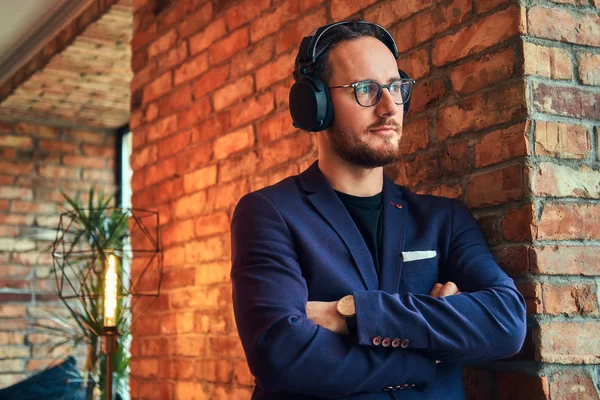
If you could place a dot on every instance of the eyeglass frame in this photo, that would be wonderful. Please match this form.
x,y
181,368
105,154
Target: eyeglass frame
x,y
380,91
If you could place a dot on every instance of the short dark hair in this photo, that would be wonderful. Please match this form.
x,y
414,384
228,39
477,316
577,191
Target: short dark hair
x,y
334,37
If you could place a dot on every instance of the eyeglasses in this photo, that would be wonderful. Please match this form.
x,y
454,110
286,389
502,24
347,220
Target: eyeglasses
x,y
368,93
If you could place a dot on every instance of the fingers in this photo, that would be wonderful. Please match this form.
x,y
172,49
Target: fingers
x,y
447,289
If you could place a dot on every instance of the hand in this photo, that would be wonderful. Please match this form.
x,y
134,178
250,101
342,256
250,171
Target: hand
x,y
325,314
447,289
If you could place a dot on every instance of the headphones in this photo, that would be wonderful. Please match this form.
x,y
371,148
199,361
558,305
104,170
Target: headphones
x,y
310,101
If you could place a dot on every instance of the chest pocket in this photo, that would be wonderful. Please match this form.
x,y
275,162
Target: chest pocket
x,y
419,276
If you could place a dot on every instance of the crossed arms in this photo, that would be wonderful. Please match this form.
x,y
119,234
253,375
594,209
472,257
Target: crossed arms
x,y
287,351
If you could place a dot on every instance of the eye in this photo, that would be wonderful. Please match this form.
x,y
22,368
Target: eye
x,y
395,87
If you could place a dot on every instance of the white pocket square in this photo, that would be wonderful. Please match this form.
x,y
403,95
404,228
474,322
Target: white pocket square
x,y
418,255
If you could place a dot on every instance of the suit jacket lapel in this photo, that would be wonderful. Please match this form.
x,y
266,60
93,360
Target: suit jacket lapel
x,y
394,227
323,198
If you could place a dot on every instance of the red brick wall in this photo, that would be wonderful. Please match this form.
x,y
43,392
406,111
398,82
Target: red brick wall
x,y
210,122
36,161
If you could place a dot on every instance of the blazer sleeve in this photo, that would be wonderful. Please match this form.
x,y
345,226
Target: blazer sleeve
x,y
486,321
285,350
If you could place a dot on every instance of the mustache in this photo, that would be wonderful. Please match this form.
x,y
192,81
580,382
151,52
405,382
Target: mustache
x,y
389,123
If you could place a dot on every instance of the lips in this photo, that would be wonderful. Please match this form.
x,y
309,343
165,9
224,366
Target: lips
x,y
384,129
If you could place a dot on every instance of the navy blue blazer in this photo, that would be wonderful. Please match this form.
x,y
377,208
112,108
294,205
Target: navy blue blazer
x,y
295,242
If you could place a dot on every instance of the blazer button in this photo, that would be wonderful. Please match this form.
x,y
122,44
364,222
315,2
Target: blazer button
x,y
405,343
377,340
386,342
398,205
395,342
388,388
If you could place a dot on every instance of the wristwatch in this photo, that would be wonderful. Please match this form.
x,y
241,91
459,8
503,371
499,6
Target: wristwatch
x,y
346,308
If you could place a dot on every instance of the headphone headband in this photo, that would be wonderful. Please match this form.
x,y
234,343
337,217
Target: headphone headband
x,y
307,54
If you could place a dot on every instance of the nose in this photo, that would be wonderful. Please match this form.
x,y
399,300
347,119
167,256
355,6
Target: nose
x,y
386,106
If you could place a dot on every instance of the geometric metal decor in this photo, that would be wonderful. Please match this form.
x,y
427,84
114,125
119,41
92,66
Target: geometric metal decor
x,y
85,239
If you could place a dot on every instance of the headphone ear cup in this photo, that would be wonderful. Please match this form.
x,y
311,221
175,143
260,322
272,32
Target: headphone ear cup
x,y
404,75
310,104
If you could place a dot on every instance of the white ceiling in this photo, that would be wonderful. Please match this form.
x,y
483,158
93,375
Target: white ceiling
x,y
27,25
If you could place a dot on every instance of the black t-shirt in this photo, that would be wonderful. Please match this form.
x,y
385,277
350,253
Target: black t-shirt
x,y
367,215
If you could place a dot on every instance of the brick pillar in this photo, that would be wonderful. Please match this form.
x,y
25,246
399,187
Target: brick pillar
x,y
562,71
36,162
210,122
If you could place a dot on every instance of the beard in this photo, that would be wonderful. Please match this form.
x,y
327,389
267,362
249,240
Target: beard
x,y
350,147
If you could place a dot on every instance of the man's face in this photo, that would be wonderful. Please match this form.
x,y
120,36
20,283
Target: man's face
x,y
367,137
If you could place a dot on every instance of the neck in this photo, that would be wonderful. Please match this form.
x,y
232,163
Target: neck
x,y
351,179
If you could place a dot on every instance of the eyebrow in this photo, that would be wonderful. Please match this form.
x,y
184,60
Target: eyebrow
x,y
375,80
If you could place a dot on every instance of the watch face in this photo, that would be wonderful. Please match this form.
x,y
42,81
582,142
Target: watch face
x,y
346,306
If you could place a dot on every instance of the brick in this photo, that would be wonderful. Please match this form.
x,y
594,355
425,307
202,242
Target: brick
x,y
194,157
518,385
215,370
200,179
275,127
569,342
514,260
252,109
481,111
30,207
275,71
225,196
191,69
86,136
561,140
454,160
487,5
496,187
165,42
490,30
199,110
233,142
15,352
253,57
84,161
180,322
242,373
16,168
102,151
177,370
387,13
564,181
564,25
201,41
517,224
198,20
162,128
273,21
244,12
217,272
16,141
213,322
210,224
11,366
428,24
146,368
571,299
191,391
259,181
225,346
225,48
176,100
142,38
12,338
172,58
7,192
143,157
478,384
285,150
532,293
572,384
233,92
416,64
12,311
550,62
427,93
566,260
51,171
211,80
57,146
340,9
501,145
178,232
237,166
422,169
587,68
292,34
160,171
40,131
172,15
161,85
483,72
569,221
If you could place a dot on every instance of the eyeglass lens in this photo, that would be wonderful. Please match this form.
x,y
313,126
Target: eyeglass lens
x,y
368,92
